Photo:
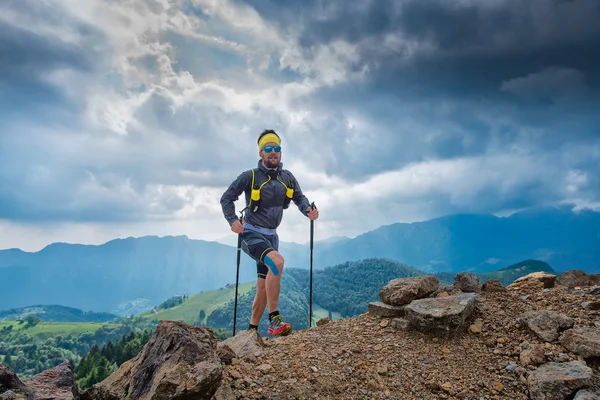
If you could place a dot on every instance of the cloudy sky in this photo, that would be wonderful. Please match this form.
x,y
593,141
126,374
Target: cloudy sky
x,y
131,117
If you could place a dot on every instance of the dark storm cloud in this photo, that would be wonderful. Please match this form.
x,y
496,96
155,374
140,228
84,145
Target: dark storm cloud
x,y
450,79
28,58
456,48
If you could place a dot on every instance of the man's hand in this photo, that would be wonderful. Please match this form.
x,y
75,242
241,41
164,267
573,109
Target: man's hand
x,y
312,213
237,227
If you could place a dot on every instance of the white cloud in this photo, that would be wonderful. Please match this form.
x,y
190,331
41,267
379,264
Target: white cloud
x,y
156,142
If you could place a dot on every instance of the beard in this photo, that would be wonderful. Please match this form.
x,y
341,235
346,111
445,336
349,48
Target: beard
x,y
272,162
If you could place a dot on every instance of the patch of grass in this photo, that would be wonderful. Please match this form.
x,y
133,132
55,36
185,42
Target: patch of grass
x,y
44,330
188,311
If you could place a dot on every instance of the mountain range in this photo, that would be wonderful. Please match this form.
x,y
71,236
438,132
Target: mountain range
x,y
103,277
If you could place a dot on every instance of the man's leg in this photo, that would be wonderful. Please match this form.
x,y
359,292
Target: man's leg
x,y
264,249
275,262
260,299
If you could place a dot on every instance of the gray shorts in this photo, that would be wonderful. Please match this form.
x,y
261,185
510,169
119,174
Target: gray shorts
x,y
257,246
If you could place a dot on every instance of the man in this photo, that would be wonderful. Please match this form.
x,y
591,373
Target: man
x,y
268,190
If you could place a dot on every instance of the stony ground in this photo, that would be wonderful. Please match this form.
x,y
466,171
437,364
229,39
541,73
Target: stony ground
x,y
367,358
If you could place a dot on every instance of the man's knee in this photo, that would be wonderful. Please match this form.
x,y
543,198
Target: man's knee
x,y
274,260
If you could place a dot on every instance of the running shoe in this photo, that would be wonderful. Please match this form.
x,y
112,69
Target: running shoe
x,y
279,327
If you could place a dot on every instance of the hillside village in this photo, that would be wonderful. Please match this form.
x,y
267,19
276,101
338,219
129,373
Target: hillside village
x,y
536,338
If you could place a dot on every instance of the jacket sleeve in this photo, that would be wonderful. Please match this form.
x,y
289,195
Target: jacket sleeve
x,y
299,198
232,194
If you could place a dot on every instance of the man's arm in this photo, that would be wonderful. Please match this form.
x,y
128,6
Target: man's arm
x,y
232,194
299,198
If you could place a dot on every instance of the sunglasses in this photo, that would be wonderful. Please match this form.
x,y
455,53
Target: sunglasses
x,y
267,149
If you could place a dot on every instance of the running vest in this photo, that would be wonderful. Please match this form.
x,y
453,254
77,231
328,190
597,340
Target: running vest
x,y
258,181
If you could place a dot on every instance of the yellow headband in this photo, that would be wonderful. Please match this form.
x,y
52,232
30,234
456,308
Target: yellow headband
x,y
269,137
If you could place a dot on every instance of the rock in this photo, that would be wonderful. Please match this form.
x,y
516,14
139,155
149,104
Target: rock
x,y
444,315
401,291
323,321
224,393
179,361
587,394
591,305
467,282
526,285
10,382
549,280
226,354
442,290
584,341
575,278
594,292
400,323
493,285
57,383
264,367
477,326
534,355
558,381
244,344
546,324
381,309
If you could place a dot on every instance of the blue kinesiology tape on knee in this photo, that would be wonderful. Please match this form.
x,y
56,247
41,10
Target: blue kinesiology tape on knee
x,y
271,265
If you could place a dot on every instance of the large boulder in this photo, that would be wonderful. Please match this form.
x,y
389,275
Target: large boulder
x,y
245,343
587,394
546,324
383,310
578,278
548,280
11,385
492,285
559,381
57,383
467,282
401,291
179,361
584,341
442,315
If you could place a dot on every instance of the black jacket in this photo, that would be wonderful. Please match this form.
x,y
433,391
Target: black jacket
x,y
270,212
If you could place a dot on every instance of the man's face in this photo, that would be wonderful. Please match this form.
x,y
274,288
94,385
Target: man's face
x,y
271,158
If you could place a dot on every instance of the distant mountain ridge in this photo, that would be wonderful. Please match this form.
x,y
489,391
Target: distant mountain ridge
x,y
102,277
55,313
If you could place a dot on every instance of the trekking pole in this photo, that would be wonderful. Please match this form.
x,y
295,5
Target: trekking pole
x,y
237,274
312,231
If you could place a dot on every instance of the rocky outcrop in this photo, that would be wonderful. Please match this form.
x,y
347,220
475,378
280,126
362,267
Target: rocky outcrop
x,y
54,384
546,324
578,278
493,285
385,310
548,280
57,383
243,345
584,341
558,381
179,361
467,282
11,385
587,394
442,315
402,291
